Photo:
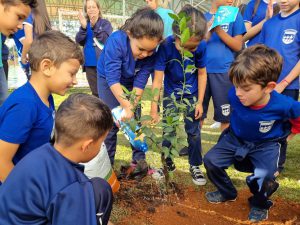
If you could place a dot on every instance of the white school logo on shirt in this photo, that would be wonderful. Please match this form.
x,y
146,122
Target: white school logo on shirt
x,y
289,36
225,109
136,71
225,27
265,126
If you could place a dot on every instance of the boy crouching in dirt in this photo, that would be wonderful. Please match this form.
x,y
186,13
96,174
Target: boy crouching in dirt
x,y
256,128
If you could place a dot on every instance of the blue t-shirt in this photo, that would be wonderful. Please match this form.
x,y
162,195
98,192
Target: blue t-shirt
x,y
117,65
26,120
47,188
18,36
174,78
256,125
256,18
283,34
168,21
89,49
219,55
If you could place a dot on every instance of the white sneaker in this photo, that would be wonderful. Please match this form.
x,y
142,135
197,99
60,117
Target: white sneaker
x,y
215,125
197,175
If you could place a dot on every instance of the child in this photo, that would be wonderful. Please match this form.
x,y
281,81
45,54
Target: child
x,y
37,23
256,14
48,186
12,14
92,27
257,124
127,59
26,117
171,71
160,7
285,27
222,42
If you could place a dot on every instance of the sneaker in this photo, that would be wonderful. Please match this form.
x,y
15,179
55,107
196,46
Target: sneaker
x,y
184,151
258,214
197,175
158,174
216,197
215,125
170,165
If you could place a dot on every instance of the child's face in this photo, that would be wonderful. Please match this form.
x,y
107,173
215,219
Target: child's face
x,y
12,17
191,45
143,47
63,77
151,3
251,94
288,6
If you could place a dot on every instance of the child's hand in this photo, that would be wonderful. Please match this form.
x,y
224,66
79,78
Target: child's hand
x,y
281,86
127,114
82,19
198,111
155,117
269,12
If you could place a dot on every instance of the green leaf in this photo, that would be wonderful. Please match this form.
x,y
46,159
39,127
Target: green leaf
x,y
147,131
185,35
169,119
173,16
125,90
182,24
189,118
133,124
188,54
146,118
166,151
174,152
187,101
181,15
169,129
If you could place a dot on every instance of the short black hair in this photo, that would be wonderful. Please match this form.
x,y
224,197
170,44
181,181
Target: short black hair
x,y
81,116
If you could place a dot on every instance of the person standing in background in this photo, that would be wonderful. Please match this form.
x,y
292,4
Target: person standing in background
x,y
92,34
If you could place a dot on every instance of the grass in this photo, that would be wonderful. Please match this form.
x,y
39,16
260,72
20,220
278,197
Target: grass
x,y
289,180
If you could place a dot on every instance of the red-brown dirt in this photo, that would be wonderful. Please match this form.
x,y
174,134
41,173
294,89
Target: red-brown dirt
x,y
148,206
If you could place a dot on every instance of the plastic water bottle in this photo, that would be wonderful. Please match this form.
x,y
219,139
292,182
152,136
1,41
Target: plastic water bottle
x,y
138,143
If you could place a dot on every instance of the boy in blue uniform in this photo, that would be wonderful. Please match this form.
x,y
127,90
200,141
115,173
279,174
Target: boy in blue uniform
x,y
286,28
12,14
167,68
222,42
257,125
26,117
48,186
127,60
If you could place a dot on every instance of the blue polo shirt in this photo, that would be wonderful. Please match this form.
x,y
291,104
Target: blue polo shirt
x,y
174,78
26,120
256,18
18,36
266,123
47,188
89,49
219,55
117,65
283,34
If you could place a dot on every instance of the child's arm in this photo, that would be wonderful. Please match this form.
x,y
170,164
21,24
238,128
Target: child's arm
x,y
235,43
7,152
156,84
202,79
252,31
289,78
28,29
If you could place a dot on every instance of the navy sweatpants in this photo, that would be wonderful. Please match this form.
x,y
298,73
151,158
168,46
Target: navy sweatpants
x,y
264,163
193,131
103,200
109,99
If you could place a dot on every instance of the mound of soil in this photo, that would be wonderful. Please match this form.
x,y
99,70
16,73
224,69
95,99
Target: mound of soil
x,y
149,204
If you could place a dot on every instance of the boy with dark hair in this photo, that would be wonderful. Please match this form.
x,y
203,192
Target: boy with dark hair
x,y
26,117
257,125
12,15
49,183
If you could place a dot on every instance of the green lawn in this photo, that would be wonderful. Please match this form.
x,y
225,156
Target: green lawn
x,y
289,180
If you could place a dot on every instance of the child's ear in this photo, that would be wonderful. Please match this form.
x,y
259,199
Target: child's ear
x,y
47,67
270,86
86,144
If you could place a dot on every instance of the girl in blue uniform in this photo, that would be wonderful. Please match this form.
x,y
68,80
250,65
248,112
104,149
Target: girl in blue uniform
x,y
93,29
128,59
256,14
167,68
